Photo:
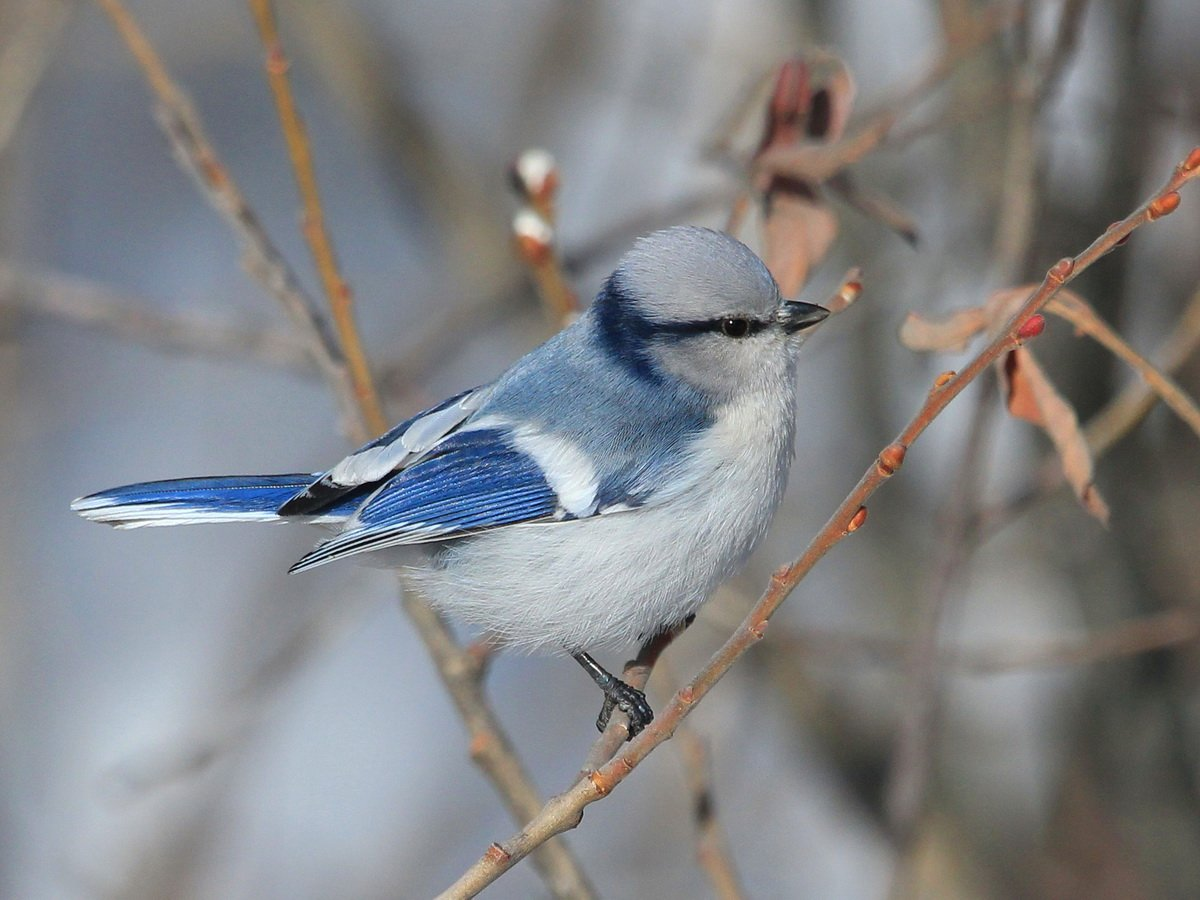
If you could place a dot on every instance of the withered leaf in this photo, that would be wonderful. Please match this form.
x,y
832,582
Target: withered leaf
x,y
951,333
1031,396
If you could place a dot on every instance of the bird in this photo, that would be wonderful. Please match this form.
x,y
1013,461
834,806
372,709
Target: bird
x,y
595,494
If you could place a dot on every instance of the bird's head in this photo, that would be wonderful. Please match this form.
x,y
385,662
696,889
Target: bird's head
x,y
699,305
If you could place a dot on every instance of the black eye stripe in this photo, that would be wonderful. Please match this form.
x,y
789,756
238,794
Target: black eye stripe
x,y
720,326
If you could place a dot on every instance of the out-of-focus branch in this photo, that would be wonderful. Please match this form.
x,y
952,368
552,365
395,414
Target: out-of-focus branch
x,y
565,810
490,747
1174,628
195,154
1079,313
90,305
712,850
25,57
819,163
462,672
534,177
1136,400
337,292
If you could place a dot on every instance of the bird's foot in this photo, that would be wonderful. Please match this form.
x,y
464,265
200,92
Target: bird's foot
x,y
630,701
617,695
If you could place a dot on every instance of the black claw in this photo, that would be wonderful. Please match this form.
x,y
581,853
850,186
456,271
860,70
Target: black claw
x,y
617,695
630,701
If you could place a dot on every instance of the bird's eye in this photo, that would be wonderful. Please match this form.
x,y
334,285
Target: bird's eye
x,y
735,328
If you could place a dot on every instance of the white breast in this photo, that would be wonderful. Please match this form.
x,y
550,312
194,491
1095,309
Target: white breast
x,y
611,580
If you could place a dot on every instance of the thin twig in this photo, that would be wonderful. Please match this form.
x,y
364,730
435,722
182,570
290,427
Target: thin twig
x,y
341,300
490,747
1079,313
1136,400
868,132
565,810
911,764
195,154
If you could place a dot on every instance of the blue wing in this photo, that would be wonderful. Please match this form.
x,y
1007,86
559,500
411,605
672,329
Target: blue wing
x,y
473,480
388,453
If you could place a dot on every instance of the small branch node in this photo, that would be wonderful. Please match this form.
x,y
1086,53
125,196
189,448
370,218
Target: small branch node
x,y
944,379
1031,327
497,854
534,176
857,520
759,629
480,745
1061,270
890,459
1164,205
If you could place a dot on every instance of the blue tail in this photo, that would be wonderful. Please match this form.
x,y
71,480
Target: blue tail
x,y
188,501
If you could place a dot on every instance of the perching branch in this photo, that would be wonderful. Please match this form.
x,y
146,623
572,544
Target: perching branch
x,y
565,810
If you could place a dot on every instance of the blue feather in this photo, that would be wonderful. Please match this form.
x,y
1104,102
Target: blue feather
x,y
476,480
215,499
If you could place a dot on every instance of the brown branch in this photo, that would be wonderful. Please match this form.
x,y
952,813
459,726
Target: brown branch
x,y
195,154
636,673
911,764
490,747
337,292
565,810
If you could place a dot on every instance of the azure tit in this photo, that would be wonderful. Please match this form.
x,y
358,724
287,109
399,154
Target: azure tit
x,y
592,496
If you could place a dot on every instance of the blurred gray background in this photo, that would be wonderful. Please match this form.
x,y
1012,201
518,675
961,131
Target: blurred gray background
x,y
180,718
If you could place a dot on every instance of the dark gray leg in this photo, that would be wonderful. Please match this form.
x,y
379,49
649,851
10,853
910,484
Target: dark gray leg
x,y
617,695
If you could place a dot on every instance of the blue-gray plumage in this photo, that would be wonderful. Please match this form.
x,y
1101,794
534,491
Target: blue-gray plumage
x,y
596,493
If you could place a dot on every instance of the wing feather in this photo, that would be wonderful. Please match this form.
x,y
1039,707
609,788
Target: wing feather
x,y
472,481
388,453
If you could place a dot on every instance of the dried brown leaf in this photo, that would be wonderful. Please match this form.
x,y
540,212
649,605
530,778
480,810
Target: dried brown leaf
x,y
1031,396
951,333
808,110
797,233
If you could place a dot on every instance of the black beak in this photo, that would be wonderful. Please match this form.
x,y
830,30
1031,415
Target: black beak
x,y
795,315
